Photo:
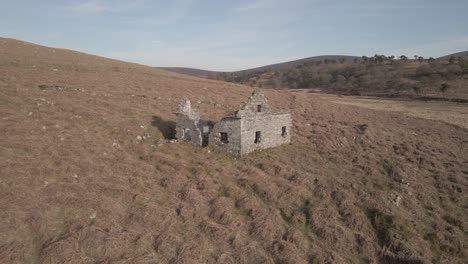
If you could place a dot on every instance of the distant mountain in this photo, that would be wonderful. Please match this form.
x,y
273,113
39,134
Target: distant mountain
x,y
277,66
289,64
283,65
377,75
189,71
463,54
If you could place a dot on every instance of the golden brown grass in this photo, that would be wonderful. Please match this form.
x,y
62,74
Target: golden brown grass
x,y
449,112
76,186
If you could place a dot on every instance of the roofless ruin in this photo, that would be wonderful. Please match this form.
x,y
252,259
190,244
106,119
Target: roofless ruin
x,y
255,126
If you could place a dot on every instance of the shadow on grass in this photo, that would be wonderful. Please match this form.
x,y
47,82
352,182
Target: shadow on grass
x,y
166,127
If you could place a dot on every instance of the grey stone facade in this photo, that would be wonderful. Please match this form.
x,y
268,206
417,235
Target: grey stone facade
x,y
189,127
255,126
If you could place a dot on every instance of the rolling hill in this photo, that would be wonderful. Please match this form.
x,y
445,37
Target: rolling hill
x,y
375,76
276,66
89,173
463,54
289,64
190,71
284,65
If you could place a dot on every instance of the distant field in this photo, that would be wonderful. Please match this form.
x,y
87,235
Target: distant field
x,y
452,113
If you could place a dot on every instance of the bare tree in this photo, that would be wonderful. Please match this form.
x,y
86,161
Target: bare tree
x,y
452,60
365,59
444,87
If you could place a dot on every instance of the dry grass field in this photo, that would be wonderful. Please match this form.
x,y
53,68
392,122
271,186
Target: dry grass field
x,y
449,112
356,185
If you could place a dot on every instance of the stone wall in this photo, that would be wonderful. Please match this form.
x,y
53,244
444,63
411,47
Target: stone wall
x,y
205,128
255,126
270,127
231,126
187,124
187,130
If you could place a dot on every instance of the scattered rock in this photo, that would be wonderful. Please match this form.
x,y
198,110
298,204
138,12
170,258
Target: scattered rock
x,y
139,138
54,70
173,141
75,176
142,127
361,129
397,200
116,145
30,113
93,215
62,138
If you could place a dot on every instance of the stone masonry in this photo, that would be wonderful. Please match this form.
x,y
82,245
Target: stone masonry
x,y
255,126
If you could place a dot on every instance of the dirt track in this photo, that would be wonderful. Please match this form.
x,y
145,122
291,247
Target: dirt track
x,y
76,186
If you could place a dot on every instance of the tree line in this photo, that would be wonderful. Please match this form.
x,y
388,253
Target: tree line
x,y
364,75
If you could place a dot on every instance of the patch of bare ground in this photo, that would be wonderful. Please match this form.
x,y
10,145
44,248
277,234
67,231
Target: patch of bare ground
x,y
87,174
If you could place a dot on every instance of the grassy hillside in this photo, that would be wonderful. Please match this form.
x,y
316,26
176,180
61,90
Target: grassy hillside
x,y
276,66
378,75
77,186
463,54
190,71
289,64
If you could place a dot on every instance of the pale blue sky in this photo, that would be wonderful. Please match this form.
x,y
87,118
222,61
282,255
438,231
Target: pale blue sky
x,y
235,35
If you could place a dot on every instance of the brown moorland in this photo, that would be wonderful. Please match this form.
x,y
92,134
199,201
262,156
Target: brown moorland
x,y
76,185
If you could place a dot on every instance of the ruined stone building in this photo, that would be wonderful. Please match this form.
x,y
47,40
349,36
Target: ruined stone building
x,y
255,126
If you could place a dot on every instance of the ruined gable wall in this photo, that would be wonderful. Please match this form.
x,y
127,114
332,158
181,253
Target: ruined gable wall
x,y
270,126
231,126
187,129
192,134
249,108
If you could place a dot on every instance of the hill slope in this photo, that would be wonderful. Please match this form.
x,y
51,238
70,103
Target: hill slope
x,y
190,71
463,54
289,64
375,76
276,66
77,186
